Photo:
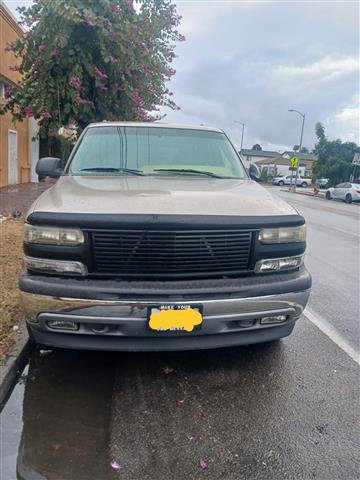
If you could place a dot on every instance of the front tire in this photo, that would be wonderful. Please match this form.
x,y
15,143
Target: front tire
x,y
281,183
304,184
348,198
328,196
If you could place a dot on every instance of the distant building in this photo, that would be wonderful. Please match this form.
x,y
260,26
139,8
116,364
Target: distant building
x,y
18,154
279,163
254,156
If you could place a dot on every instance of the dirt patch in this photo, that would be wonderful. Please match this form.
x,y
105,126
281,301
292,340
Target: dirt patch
x,y
11,237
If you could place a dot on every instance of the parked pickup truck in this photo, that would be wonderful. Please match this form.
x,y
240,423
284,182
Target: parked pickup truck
x,y
286,180
154,237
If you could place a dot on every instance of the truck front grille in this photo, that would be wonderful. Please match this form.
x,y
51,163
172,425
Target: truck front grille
x,y
171,254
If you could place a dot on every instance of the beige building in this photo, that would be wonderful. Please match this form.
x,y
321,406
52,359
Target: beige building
x,y
18,154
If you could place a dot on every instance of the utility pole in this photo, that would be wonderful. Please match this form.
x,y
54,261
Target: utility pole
x,y
242,133
300,145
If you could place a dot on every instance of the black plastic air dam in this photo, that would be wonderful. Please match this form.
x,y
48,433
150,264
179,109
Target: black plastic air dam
x,y
97,289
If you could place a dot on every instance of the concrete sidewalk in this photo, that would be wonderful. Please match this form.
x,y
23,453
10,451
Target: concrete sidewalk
x,y
21,196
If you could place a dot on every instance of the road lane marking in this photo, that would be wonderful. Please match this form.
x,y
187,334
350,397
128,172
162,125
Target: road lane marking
x,y
330,332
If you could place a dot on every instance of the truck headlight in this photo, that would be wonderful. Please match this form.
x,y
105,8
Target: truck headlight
x,y
53,235
279,264
283,234
45,265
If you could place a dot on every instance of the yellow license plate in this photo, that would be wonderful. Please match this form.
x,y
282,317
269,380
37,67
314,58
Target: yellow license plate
x,y
164,318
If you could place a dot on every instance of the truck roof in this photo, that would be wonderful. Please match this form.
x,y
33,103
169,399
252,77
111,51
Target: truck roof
x,y
155,125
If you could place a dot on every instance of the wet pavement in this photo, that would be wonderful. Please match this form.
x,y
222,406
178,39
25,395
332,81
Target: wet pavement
x,y
287,410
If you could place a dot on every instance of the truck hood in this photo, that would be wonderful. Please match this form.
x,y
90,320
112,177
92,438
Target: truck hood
x,y
159,195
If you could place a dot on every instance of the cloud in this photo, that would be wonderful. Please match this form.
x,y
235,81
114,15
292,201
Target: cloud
x,y
254,61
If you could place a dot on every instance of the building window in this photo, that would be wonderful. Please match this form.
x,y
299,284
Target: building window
x,y
2,89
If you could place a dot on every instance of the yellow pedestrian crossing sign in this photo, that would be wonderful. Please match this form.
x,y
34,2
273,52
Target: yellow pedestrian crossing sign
x,y
294,161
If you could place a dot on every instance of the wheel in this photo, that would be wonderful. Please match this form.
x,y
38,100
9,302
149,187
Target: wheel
x,y
328,196
348,198
304,184
281,183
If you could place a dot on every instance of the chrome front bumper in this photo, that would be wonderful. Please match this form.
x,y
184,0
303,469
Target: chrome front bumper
x,y
124,323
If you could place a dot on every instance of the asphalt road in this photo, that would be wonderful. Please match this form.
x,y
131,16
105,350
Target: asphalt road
x,y
285,411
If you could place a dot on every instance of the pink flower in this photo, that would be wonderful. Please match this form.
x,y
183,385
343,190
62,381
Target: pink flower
x,y
203,464
82,101
29,112
8,47
15,68
136,97
103,88
46,114
75,82
55,52
129,4
42,48
100,73
115,465
37,63
8,91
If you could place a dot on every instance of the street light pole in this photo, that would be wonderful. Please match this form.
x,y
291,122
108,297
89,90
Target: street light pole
x,y
242,133
300,145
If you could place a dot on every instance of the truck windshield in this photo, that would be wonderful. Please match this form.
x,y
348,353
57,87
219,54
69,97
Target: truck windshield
x,y
118,150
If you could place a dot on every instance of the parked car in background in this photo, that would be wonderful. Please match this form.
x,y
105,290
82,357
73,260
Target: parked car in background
x,y
286,180
349,192
322,182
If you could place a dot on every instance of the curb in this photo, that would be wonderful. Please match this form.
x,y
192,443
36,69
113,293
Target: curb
x,y
307,194
15,363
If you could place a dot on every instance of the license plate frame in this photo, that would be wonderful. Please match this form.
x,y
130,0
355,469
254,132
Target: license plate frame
x,y
154,309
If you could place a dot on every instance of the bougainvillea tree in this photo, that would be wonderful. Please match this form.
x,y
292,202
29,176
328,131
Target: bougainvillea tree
x,y
92,60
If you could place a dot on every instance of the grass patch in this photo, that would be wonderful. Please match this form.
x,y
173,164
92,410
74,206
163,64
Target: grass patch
x,y
11,237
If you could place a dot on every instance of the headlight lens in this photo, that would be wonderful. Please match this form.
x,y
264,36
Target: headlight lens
x,y
283,235
46,265
53,235
279,264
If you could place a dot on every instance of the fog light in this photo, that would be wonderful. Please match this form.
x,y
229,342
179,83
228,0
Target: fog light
x,y
273,319
246,323
63,325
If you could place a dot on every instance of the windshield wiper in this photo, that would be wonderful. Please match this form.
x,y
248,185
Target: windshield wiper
x,y
114,170
188,170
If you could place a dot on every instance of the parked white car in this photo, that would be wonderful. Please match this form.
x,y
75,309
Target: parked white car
x,y
349,192
286,180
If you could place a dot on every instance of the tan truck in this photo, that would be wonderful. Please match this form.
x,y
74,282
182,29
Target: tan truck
x,y
155,237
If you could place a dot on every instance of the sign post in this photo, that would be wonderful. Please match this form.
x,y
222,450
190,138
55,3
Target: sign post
x,y
294,162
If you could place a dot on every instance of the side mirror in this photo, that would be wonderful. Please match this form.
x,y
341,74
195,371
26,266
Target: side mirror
x,y
49,167
254,172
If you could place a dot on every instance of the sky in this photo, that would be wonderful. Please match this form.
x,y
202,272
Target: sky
x,y
253,61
